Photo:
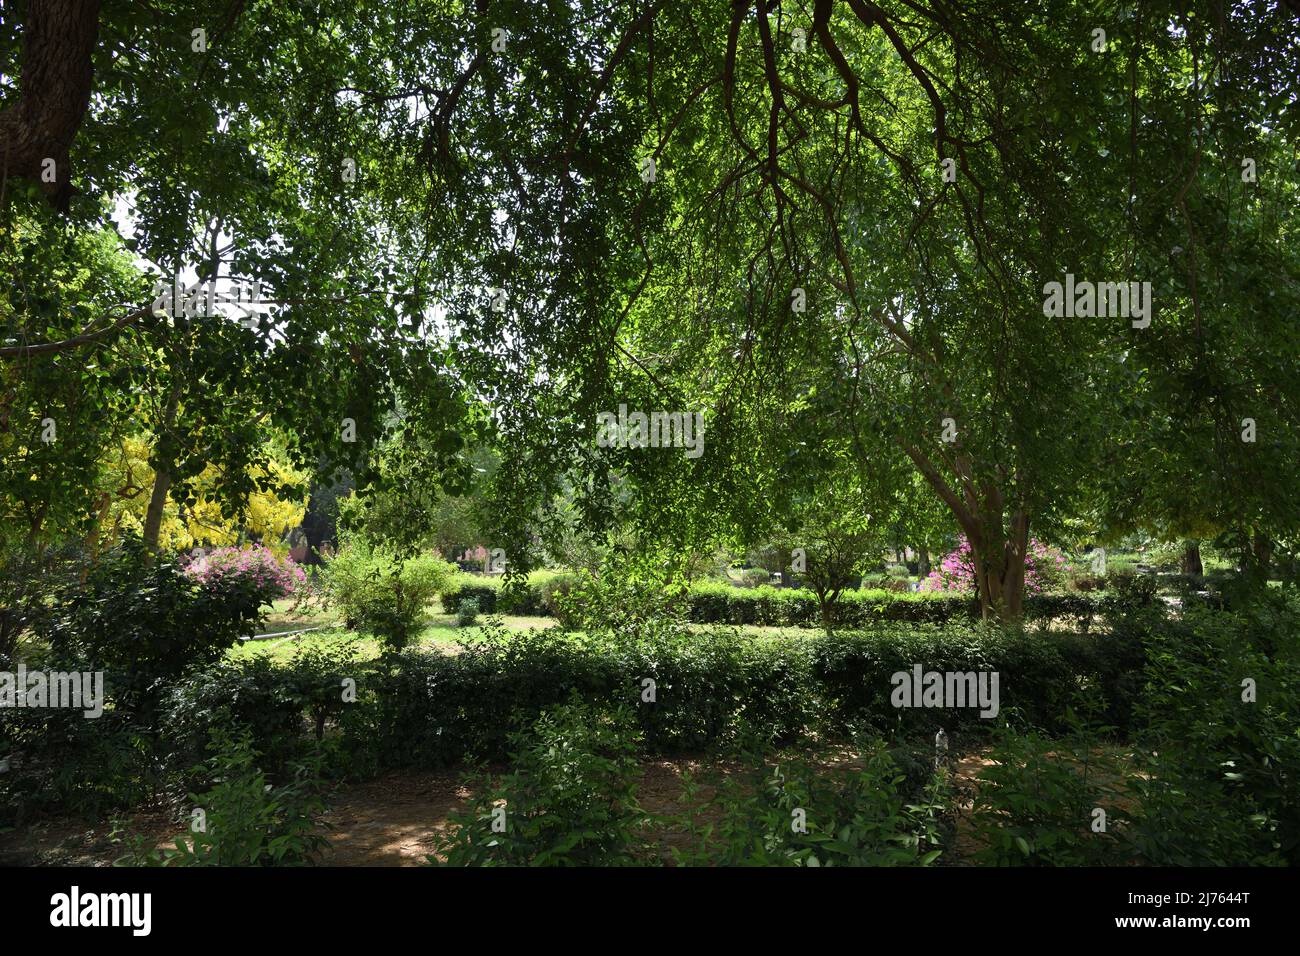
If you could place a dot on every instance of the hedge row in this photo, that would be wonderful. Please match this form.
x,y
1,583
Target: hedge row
x,y
795,607
432,710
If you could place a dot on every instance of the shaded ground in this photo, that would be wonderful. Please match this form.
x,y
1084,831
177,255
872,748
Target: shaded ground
x,y
391,820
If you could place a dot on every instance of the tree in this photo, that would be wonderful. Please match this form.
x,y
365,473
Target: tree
x,y
814,225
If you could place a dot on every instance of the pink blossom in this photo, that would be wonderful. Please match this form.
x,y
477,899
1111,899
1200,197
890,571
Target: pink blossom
x,y
256,563
956,572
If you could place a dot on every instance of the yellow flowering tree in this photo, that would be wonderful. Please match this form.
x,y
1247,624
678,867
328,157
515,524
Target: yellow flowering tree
x,y
126,479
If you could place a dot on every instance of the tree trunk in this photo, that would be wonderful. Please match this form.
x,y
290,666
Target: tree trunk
x,y
1263,550
999,555
59,38
162,482
1192,558
923,562
1000,569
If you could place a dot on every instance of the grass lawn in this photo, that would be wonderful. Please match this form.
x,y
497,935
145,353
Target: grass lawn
x,y
440,632
283,617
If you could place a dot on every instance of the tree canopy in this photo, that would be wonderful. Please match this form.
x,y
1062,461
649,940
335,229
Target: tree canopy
x,y
832,228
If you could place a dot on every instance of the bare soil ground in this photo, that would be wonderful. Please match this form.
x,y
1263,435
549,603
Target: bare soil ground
x,y
394,819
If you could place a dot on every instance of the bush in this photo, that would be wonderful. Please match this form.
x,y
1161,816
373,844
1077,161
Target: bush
x,y
885,582
853,672
285,708
688,692
569,799
60,762
711,603
1221,786
719,602
1209,779
467,612
484,590
145,622
799,814
257,566
382,594
1131,590
28,575
555,598
614,603
246,821
1037,803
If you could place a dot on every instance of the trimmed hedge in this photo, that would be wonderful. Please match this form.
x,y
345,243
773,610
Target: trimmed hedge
x,y
527,601
716,603
432,709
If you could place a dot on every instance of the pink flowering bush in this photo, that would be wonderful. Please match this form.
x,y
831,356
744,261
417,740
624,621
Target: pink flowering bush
x,y
1045,568
256,568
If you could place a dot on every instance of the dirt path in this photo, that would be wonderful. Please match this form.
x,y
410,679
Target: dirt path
x,y
392,820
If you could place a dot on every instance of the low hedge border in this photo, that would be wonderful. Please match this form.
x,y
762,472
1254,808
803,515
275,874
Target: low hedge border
x,y
794,607
431,710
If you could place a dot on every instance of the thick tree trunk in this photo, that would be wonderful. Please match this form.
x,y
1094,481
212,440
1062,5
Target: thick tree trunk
x,y
1000,568
59,39
999,555
923,562
1191,563
162,485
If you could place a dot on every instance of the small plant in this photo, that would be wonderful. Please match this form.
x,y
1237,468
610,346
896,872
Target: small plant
x,y
569,799
793,813
467,612
244,820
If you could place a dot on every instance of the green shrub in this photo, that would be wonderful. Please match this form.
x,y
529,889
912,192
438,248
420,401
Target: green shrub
x,y
383,594
797,814
1221,785
246,820
568,800
467,612
555,592
144,622
1038,802
529,596
28,576
880,599
482,589
284,708
710,689
853,672
1209,778
1131,590
614,603
61,762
